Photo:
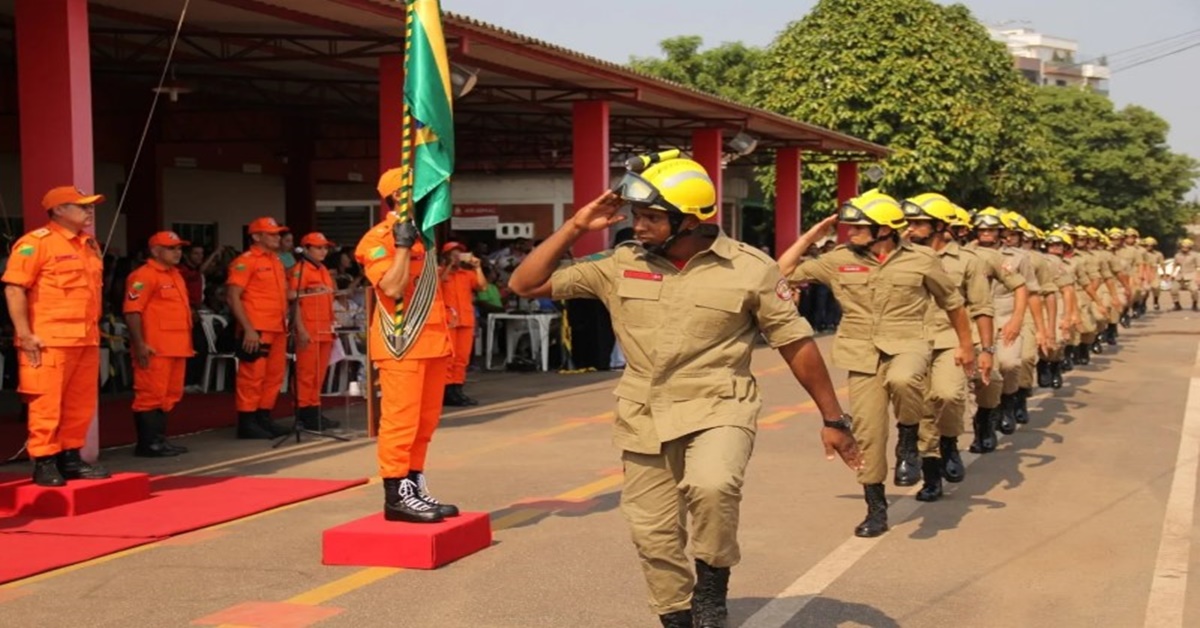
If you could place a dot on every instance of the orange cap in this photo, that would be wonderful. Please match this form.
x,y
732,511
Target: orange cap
x,y
390,181
315,238
167,238
453,246
69,195
266,224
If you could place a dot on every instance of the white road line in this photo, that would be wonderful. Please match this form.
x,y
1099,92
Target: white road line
x,y
1168,589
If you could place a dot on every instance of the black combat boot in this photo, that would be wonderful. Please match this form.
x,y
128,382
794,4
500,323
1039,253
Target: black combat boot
x,y
931,470
1008,421
311,419
1043,374
149,442
1126,319
274,429
162,432
876,522
445,510
708,599
1110,335
1098,343
46,473
1056,374
908,469
73,467
452,396
249,427
1068,361
1195,306
1178,307
984,425
462,393
1082,355
402,503
953,469
678,619
1020,407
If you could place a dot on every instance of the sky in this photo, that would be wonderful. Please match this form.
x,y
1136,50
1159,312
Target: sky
x,y
616,29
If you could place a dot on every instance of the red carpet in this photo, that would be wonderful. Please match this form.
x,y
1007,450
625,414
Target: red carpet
x,y
176,505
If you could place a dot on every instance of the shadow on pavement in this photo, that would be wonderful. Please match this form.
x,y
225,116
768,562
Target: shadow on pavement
x,y
539,510
820,612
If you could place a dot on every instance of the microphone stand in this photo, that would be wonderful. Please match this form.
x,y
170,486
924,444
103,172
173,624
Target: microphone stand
x,y
293,314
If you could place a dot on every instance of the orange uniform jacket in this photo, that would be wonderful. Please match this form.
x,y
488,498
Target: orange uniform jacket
x,y
261,276
159,293
460,287
62,274
375,252
314,289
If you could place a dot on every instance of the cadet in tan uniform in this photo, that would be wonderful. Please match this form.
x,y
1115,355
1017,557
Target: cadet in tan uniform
x,y
1112,294
1067,320
929,217
1134,257
1018,338
884,286
688,305
1155,260
1092,308
1044,310
1187,262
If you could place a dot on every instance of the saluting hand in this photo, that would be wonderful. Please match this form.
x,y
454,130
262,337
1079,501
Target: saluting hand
x,y
842,442
32,346
820,230
600,213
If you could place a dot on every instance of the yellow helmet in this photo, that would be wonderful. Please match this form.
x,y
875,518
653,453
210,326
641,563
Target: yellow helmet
x,y
962,217
1150,241
1187,242
1011,220
988,218
1105,240
1038,234
1080,231
1131,232
1059,236
1094,233
1116,232
929,206
873,208
679,184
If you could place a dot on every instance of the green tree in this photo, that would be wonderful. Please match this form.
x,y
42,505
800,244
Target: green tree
x,y
724,71
925,80
1121,171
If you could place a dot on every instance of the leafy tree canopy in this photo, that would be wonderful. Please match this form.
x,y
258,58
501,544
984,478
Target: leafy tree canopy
x,y
724,70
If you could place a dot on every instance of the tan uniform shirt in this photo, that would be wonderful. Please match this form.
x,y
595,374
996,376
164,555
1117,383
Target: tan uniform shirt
x,y
1105,261
970,276
687,335
1133,258
1010,263
1042,270
883,303
1156,260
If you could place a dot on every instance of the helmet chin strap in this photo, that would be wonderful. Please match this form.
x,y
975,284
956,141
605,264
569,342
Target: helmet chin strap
x,y
675,220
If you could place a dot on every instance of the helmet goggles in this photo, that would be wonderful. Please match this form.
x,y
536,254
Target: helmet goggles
x,y
633,188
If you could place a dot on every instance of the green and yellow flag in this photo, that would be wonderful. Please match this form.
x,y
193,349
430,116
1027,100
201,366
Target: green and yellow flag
x,y
429,114
427,162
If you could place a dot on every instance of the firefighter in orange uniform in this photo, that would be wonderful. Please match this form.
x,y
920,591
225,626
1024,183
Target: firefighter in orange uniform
x,y
311,285
258,301
461,279
412,368
158,312
53,292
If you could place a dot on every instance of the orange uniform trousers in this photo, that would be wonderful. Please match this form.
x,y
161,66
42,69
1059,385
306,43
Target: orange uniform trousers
x,y
311,363
258,382
410,408
159,385
62,394
463,339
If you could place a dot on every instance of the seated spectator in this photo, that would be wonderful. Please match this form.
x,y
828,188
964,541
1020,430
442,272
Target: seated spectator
x,y
347,312
488,300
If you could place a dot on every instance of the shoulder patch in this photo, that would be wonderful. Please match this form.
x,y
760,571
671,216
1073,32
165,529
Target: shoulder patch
x,y
783,290
595,257
137,285
377,252
26,250
239,267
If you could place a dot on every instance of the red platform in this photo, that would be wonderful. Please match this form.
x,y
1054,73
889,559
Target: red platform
x,y
23,497
375,542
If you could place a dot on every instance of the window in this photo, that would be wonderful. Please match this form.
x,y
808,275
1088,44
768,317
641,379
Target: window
x,y
201,233
345,222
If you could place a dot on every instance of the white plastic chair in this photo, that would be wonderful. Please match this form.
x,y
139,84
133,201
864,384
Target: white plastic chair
x,y
339,371
208,323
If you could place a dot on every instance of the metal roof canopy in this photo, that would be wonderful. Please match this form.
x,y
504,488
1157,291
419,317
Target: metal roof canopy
x,y
320,57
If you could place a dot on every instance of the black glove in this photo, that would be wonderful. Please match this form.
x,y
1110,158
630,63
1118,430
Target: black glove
x,y
404,232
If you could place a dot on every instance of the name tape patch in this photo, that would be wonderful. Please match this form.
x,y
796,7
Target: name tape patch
x,y
643,275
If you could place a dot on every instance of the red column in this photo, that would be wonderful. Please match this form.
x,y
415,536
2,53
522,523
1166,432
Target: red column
x,y
391,112
787,198
144,187
707,149
299,188
590,168
54,91
847,186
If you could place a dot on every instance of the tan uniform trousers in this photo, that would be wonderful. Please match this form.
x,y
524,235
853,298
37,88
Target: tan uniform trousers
x,y
1029,353
946,403
1185,283
1008,362
701,473
899,379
